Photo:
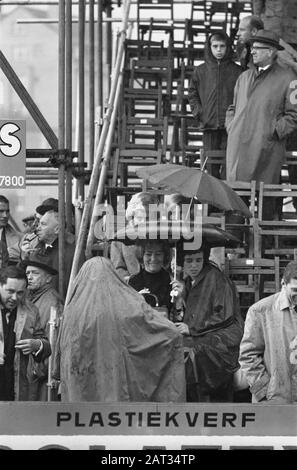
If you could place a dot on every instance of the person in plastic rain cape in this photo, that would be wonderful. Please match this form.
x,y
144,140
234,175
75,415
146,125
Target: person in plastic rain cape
x,y
113,346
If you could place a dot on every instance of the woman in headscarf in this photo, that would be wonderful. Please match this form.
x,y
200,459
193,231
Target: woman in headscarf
x,y
125,258
113,346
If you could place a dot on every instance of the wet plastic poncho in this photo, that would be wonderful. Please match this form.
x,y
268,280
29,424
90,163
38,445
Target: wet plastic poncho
x,y
114,346
216,327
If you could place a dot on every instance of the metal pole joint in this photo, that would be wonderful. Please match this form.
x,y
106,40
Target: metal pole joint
x,y
62,157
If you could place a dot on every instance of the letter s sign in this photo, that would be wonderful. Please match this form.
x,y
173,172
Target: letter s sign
x,y
11,143
12,154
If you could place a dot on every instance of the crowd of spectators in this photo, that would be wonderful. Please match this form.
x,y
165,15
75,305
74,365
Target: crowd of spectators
x,y
134,329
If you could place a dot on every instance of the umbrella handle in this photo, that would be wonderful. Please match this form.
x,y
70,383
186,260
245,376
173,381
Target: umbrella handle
x,y
174,270
204,163
190,205
174,267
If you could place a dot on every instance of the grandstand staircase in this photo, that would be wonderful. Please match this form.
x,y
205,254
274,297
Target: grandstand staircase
x,y
154,114
154,120
154,125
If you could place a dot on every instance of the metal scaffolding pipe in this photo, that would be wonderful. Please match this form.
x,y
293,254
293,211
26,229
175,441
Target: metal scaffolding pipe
x,y
91,83
68,110
39,165
108,47
61,75
81,94
104,20
104,168
94,175
43,173
43,170
114,2
100,68
42,153
107,149
41,183
61,136
44,176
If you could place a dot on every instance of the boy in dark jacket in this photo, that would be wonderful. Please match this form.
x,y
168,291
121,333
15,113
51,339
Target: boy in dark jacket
x,y
211,92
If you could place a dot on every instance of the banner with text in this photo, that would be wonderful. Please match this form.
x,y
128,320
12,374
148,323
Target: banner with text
x,y
157,426
12,154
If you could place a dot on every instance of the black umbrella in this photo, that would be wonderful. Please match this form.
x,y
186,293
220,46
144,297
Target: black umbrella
x,y
175,230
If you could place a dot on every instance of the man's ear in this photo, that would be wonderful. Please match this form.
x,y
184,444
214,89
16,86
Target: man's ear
x,y
283,283
48,278
57,229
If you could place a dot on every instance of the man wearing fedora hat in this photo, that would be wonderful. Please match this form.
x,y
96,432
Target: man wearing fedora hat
x,y
263,114
45,240
40,272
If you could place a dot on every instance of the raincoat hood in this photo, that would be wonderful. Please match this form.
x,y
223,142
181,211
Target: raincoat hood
x,y
211,87
208,56
114,346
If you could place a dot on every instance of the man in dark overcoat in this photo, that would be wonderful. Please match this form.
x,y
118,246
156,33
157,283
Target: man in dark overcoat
x,y
263,114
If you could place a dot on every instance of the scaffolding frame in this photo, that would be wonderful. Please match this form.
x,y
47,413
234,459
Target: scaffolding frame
x,y
62,164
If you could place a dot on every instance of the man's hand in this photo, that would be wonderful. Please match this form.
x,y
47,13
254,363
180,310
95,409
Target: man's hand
x,y
229,116
182,328
28,346
26,246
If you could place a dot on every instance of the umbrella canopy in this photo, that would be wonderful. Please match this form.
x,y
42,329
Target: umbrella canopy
x,y
173,231
192,182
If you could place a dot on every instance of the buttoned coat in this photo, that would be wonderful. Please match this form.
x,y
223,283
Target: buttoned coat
x,y
265,112
268,350
27,326
45,298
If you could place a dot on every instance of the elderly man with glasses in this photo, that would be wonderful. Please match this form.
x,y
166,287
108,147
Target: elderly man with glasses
x,y
263,114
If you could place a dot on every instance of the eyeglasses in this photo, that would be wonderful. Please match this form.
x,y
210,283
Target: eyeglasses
x,y
255,48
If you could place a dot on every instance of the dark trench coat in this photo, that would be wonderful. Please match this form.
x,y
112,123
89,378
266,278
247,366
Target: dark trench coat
x,y
27,326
